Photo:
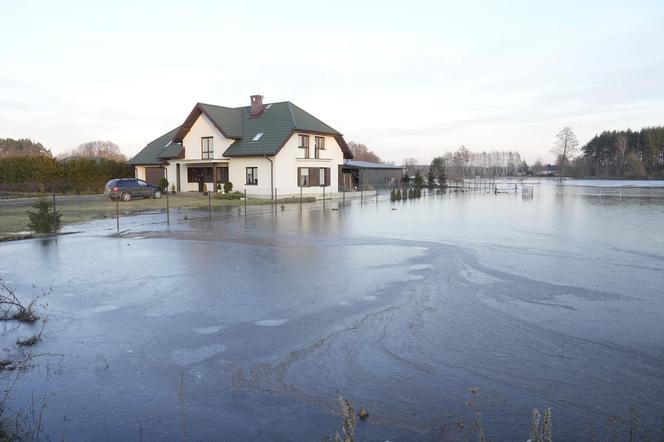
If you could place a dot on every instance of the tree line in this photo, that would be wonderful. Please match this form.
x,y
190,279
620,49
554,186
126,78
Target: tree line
x,y
26,166
622,154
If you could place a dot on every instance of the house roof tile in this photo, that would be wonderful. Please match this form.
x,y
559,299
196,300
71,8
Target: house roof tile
x,y
277,122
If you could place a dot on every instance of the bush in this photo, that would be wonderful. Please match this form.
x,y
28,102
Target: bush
x,y
42,173
163,183
230,196
228,187
44,220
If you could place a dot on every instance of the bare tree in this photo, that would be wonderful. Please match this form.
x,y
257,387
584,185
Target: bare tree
x,y
409,166
362,153
100,149
565,148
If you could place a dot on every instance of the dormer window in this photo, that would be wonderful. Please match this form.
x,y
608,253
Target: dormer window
x,y
304,144
257,136
207,148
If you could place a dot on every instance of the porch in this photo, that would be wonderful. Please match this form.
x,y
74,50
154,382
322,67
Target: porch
x,y
199,176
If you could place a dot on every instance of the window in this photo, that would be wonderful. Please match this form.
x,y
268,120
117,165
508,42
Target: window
x,y
221,174
319,145
257,136
304,144
199,174
141,183
303,179
207,148
252,176
322,178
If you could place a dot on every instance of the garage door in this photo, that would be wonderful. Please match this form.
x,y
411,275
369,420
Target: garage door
x,y
154,174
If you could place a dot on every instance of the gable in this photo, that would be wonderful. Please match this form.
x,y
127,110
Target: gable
x,y
203,127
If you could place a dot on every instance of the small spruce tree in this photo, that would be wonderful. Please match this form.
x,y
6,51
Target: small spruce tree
x,y
419,179
44,220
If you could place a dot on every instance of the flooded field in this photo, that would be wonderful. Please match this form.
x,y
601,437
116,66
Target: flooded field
x,y
247,329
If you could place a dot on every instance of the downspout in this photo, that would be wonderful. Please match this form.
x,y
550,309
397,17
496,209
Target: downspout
x,y
271,176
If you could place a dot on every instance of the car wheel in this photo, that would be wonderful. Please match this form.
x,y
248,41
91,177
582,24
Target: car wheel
x,y
126,196
157,194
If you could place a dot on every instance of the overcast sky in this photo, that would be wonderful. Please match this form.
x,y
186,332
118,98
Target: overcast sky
x,y
406,78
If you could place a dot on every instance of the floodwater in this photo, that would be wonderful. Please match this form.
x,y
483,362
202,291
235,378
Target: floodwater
x,y
248,329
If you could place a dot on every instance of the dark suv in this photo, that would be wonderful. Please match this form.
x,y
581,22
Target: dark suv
x,y
128,188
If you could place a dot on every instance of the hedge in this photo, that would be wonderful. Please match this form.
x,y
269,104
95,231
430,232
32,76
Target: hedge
x,y
42,173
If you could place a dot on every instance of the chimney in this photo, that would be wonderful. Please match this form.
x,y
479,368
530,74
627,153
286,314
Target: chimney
x,y
256,105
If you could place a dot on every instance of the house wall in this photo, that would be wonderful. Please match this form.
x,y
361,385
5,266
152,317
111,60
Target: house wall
x,y
286,164
139,172
203,127
171,174
290,157
237,174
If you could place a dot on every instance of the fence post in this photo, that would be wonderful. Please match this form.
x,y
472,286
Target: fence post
x,y
117,211
361,186
54,211
209,205
343,196
168,214
245,203
323,197
300,198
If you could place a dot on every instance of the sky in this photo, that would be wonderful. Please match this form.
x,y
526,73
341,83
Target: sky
x,y
407,78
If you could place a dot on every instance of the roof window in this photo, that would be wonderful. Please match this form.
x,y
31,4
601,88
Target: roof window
x,y
257,136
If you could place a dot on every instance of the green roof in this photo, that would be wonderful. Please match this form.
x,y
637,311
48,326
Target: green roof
x,y
276,123
151,154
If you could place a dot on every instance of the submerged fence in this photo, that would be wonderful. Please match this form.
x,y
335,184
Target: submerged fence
x,y
103,213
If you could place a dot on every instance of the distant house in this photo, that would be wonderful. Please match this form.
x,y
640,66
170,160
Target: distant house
x,y
261,148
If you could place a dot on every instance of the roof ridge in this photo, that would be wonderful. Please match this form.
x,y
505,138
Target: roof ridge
x,y
292,114
264,104
172,130
312,116
216,105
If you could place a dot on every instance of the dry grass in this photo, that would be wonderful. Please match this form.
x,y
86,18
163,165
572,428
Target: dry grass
x,y
541,433
12,308
348,415
32,340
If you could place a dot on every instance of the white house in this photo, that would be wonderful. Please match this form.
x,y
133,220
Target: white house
x,y
262,148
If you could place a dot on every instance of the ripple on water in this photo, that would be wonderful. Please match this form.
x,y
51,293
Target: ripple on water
x,y
271,322
189,356
208,330
420,266
104,308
